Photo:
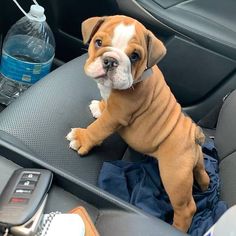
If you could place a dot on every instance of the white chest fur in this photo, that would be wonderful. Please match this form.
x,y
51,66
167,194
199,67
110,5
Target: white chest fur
x,y
104,91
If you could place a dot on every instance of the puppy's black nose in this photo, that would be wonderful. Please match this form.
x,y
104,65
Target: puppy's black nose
x,y
109,63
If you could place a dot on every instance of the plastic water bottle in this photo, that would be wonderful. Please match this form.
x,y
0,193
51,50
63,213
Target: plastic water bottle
x,y
27,53
225,226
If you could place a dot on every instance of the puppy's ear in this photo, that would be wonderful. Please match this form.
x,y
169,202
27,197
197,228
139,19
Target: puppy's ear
x,y
155,48
90,27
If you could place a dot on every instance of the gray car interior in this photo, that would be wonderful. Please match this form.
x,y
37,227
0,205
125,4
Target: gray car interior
x,y
31,136
33,128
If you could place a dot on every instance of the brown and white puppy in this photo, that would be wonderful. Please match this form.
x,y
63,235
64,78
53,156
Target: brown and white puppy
x,y
138,104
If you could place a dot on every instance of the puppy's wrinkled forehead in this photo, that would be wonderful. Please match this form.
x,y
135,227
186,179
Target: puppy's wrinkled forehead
x,y
121,31
122,34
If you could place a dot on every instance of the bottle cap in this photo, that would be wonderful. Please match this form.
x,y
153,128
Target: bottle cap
x,y
37,12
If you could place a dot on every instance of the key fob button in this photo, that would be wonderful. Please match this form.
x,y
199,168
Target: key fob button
x,y
31,176
19,200
26,184
23,191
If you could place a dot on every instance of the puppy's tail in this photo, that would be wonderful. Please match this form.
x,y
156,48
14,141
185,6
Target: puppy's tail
x,y
199,136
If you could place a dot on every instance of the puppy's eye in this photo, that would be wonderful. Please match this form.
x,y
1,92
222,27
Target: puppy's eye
x,y
134,57
98,43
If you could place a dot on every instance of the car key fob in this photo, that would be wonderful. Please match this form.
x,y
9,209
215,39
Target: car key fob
x,y
23,195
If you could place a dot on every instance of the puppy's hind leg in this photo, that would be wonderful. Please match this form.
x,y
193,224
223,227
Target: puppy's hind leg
x,y
200,173
177,178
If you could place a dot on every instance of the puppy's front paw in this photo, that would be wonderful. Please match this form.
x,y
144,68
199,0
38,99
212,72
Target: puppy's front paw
x,y
95,109
79,141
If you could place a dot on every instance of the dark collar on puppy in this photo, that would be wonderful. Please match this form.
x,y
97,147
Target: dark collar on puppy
x,y
147,73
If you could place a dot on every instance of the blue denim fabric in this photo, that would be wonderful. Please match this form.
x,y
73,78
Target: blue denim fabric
x,y
139,183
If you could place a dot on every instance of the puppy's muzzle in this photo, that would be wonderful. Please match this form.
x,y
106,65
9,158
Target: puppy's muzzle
x,y
109,63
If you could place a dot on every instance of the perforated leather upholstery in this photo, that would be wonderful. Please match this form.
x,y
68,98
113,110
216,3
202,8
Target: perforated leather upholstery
x,y
45,113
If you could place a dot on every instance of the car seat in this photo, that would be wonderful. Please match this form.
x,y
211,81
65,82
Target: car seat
x,y
39,120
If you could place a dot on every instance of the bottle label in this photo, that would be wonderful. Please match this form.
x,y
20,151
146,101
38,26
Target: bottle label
x,y
23,71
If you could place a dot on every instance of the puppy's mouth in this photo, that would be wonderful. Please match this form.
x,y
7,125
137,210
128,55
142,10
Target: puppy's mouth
x,y
107,74
102,76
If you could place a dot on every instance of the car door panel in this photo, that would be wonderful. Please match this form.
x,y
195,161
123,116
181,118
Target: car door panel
x,y
199,71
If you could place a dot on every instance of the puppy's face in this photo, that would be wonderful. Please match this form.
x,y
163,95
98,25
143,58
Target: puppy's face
x,y
120,50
